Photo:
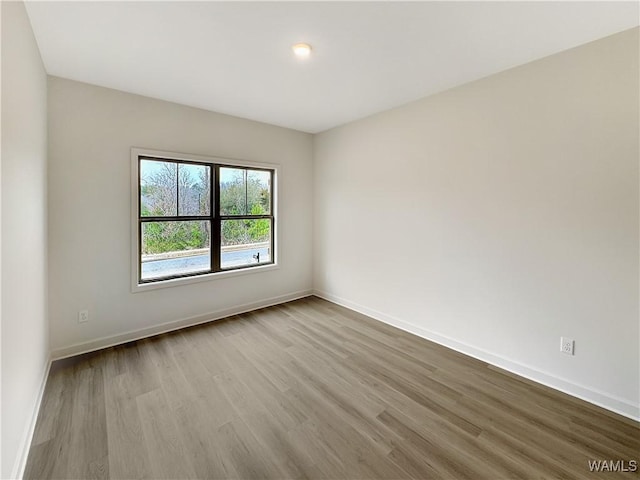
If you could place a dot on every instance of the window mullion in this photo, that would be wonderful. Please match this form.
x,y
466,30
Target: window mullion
x,y
216,226
185,218
246,194
177,189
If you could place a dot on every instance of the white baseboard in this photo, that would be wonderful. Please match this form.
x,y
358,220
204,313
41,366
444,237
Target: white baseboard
x,y
601,399
110,341
25,444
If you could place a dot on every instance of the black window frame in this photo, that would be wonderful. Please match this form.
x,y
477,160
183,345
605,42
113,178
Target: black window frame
x,y
214,217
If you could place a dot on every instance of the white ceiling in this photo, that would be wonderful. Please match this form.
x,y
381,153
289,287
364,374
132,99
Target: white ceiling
x,y
236,58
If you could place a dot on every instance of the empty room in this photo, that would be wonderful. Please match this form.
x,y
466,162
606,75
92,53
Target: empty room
x,y
320,240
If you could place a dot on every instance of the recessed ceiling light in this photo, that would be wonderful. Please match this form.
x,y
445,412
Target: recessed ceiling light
x,y
301,49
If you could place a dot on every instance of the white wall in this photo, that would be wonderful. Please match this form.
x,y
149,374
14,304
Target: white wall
x,y
498,216
91,132
25,343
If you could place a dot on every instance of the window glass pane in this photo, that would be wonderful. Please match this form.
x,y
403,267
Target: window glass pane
x,y
258,192
245,242
193,189
175,248
158,188
233,191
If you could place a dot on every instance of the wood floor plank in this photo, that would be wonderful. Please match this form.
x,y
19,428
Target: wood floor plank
x,y
124,431
51,458
311,390
167,454
341,378
203,387
261,387
88,432
260,355
336,399
52,401
287,455
447,462
250,459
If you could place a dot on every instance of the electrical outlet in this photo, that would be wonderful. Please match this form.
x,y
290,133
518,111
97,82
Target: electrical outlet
x,y
566,345
83,316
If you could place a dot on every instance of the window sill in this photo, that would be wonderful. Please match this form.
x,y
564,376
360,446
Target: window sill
x,y
178,282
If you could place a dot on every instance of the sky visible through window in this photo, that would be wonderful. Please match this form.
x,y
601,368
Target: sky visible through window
x,y
154,166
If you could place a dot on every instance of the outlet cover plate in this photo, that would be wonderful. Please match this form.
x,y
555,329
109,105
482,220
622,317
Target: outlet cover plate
x,y
567,345
83,316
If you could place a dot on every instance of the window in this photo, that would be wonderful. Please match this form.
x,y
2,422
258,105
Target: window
x,y
196,216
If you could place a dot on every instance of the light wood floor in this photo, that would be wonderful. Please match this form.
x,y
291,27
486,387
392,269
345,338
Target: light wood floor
x,y
309,389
